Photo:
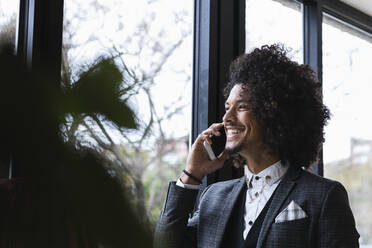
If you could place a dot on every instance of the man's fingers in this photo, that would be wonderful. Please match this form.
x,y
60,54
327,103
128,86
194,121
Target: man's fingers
x,y
206,135
218,163
208,139
223,156
213,129
216,125
211,132
203,137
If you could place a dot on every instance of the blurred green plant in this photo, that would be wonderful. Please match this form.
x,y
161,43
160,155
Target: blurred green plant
x,y
137,158
98,92
65,196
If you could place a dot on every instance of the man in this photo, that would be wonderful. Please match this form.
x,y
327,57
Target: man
x,y
274,123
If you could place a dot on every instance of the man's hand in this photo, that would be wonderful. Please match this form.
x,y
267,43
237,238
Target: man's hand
x,y
198,163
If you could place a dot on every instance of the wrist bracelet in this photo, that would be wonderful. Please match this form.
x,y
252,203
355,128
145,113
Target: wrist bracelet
x,y
192,177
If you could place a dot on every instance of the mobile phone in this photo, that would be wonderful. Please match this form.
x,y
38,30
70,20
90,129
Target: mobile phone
x,y
217,146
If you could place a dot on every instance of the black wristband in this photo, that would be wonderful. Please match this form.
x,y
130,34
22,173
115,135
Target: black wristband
x,y
192,177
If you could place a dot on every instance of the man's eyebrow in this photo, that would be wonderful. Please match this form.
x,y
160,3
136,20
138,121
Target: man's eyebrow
x,y
239,101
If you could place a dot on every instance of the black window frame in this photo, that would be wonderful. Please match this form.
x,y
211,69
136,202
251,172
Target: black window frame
x,y
39,44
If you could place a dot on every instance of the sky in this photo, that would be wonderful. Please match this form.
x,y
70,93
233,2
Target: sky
x,y
7,7
347,89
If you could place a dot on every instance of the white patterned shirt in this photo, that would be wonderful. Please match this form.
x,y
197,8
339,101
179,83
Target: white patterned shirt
x,y
260,187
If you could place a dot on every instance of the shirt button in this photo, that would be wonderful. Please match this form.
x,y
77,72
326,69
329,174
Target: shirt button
x,y
250,222
257,177
256,194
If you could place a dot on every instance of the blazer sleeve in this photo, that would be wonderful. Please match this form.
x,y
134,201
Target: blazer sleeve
x,y
177,226
336,222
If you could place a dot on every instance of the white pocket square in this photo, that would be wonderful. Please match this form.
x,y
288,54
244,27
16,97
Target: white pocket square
x,y
292,212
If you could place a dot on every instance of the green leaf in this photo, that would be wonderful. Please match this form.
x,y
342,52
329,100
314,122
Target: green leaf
x,y
98,92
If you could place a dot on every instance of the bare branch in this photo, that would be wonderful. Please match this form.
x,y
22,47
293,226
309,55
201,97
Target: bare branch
x,y
76,122
103,129
95,137
165,58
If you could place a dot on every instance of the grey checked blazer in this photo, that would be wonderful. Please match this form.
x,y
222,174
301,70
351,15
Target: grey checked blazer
x,y
329,222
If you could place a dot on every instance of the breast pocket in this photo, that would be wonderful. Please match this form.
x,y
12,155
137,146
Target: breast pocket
x,y
289,234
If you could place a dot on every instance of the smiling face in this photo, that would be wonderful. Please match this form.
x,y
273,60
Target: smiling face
x,y
243,132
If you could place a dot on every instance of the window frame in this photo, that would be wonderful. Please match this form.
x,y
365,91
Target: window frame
x,y
39,36
39,44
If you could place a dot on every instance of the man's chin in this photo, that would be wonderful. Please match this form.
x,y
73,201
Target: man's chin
x,y
233,150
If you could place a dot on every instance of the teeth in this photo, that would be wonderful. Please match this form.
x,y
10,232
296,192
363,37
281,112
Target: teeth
x,y
233,131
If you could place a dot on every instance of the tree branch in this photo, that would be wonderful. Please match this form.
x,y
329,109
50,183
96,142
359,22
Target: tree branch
x,y
95,137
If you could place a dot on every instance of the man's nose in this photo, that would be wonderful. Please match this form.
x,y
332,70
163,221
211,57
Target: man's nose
x,y
229,116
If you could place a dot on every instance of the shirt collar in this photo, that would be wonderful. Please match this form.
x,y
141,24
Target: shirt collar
x,y
269,175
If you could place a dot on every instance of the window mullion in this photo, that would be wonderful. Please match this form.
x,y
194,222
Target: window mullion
x,y
312,37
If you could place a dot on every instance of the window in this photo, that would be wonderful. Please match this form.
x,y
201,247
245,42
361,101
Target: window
x,y
152,46
8,27
8,21
274,21
347,88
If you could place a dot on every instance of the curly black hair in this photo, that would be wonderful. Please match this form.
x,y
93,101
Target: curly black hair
x,y
286,100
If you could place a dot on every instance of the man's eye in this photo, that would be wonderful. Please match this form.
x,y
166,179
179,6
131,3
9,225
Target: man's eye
x,y
243,107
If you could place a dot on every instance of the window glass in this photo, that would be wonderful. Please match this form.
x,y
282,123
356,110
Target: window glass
x,y
8,21
274,21
151,43
8,27
347,89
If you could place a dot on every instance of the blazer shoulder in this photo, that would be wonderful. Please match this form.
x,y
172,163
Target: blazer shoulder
x,y
317,183
316,179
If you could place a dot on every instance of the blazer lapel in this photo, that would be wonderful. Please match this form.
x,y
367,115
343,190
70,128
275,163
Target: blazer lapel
x,y
227,207
279,197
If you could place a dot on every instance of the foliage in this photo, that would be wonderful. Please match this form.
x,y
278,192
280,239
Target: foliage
x,y
64,189
101,82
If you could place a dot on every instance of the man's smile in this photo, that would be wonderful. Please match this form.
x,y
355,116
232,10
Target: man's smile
x,y
233,131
